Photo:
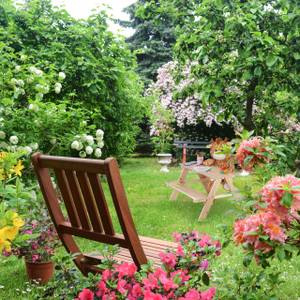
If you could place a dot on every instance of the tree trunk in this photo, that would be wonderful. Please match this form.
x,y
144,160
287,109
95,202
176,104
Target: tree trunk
x,y
248,122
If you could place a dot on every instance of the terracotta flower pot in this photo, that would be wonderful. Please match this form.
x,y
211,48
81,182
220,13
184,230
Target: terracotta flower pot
x,y
41,271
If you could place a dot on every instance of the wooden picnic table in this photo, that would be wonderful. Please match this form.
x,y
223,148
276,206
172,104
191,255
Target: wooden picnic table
x,y
211,177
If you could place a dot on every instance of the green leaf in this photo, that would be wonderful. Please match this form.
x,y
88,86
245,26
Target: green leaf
x,y
297,55
205,279
287,199
271,60
247,259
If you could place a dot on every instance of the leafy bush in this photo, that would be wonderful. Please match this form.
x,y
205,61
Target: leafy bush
x,y
77,61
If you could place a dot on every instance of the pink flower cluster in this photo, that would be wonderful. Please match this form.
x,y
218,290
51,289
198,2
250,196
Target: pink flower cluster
x,y
174,280
265,230
276,188
248,231
253,147
186,110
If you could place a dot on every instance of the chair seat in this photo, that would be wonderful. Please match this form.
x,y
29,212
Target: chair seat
x,y
152,248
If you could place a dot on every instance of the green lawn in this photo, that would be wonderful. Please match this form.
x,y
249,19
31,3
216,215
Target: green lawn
x,y
156,216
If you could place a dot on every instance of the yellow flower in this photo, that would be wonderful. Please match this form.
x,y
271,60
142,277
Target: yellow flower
x,y
18,168
9,232
2,175
17,220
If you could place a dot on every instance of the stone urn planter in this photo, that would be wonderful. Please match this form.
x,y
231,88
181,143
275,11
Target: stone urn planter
x,y
219,156
39,271
165,160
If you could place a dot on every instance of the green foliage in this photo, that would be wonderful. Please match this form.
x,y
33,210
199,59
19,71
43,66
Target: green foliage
x,y
153,38
99,68
246,59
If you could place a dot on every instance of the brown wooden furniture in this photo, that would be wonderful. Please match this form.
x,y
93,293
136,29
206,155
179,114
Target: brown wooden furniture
x,y
88,215
210,177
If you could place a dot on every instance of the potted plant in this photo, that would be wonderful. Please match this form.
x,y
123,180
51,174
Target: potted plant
x,y
36,243
162,134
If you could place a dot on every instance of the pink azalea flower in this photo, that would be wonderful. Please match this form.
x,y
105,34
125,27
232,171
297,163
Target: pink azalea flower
x,y
273,192
35,257
168,259
106,275
205,241
121,287
204,264
191,295
86,294
126,269
101,289
180,251
209,294
248,230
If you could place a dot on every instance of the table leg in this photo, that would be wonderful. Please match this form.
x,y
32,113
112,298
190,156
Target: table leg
x,y
210,199
181,181
206,182
229,180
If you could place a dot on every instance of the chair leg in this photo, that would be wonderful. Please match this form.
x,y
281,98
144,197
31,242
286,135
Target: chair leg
x,y
72,248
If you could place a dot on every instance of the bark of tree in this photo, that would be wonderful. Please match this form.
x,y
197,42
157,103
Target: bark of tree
x,y
248,122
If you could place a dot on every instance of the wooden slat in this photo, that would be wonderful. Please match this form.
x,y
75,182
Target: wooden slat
x,y
67,196
89,201
95,236
101,203
195,195
77,199
70,163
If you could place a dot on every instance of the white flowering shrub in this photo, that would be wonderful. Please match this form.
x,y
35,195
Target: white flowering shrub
x,y
85,145
12,144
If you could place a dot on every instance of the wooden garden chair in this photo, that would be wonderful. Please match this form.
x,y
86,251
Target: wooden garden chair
x,y
87,213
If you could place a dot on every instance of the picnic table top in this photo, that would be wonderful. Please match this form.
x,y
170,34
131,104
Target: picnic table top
x,y
211,172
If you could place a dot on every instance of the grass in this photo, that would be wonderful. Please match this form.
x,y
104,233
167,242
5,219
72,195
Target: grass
x,y
156,216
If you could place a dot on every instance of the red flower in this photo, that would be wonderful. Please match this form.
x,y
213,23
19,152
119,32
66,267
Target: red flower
x,y
126,269
86,294
168,259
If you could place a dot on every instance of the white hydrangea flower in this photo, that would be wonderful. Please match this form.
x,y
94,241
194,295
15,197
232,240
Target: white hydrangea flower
x,y
20,82
89,139
61,75
17,68
53,141
80,146
57,87
89,150
14,81
75,145
32,69
99,133
2,135
38,72
14,139
82,154
27,149
100,144
39,96
34,146
98,152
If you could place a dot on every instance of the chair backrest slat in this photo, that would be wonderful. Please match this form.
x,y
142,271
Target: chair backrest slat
x,y
78,199
101,203
67,196
89,201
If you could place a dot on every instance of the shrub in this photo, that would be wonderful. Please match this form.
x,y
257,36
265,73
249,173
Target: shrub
x,y
82,61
